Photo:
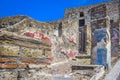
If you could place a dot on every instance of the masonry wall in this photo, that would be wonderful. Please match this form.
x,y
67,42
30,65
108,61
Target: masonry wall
x,y
19,54
74,13
33,46
115,39
65,44
112,10
62,36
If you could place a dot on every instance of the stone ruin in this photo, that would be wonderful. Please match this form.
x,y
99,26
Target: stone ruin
x,y
59,50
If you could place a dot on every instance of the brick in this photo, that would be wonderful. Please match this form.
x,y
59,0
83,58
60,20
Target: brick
x,y
47,48
8,66
22,66
8,37
46,61
44,47
7,60
28,61
13,66
30,45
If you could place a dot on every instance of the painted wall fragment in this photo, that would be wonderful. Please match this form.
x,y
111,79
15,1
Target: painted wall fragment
x,y
101,51
37,35
101,44
100,34
101,57
69,53
72,39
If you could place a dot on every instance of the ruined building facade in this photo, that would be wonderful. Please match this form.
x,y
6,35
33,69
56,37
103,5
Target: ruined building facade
x,y
90,33
90,21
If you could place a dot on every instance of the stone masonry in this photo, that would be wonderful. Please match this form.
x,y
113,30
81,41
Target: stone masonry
x,y
32,50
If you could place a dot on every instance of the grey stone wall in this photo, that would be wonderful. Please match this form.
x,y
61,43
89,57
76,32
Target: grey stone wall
x,y
73,13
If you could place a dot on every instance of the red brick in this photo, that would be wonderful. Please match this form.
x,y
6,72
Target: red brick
x,y
44,61
13,66
8,66
22,66
7,60
28,60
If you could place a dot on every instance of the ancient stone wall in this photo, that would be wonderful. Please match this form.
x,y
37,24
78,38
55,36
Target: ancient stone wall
x,y
113,11
74,13
68,43
101,43
20,53
111,15
115,39
62,35
30,50
65,40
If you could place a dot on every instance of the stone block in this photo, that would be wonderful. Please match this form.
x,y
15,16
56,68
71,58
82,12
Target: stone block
x,y
45,47
85,61
10,75
36,66
48,53
31,53
35,75
9,50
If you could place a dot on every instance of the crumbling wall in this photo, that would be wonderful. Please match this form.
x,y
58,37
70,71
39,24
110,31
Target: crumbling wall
x,y
12,20
65,45
114,39
88,40
62,35
20,53
113,10
28,43
101,43
101,38
74,13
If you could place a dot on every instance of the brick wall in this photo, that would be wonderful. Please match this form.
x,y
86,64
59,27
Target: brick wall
x,y
19,53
